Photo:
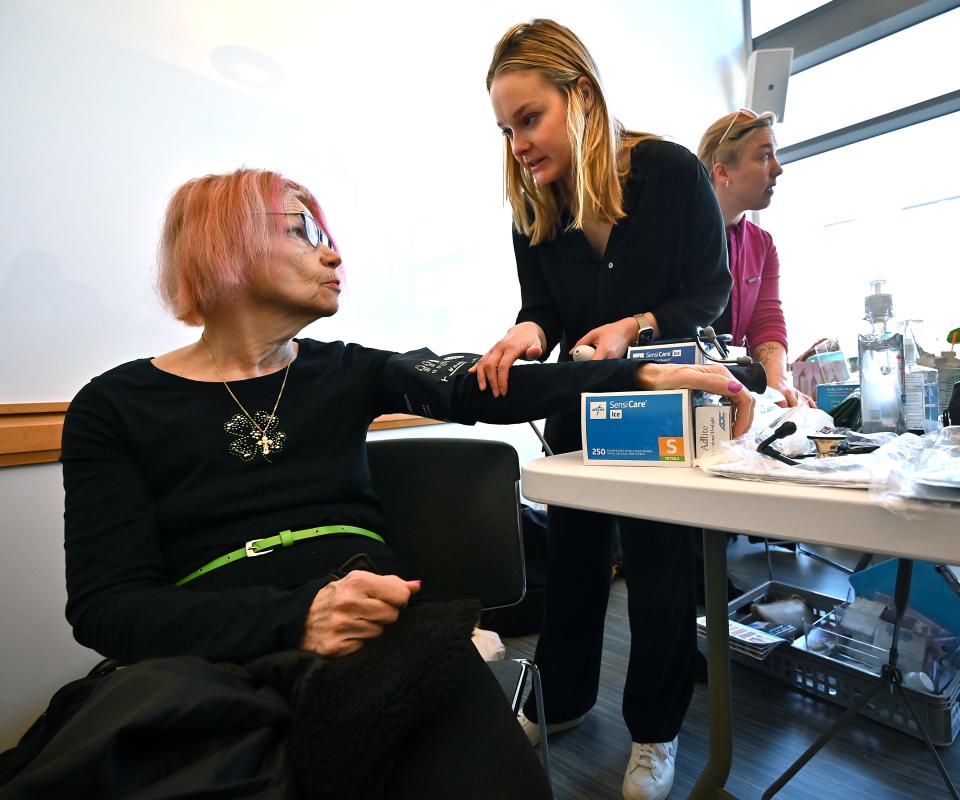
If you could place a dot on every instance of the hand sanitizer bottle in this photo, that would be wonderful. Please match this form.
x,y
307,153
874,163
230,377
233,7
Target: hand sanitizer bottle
x,y
882,397
922,391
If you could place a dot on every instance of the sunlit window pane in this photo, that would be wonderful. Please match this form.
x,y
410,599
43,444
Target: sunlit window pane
x,y
888,207
765,15
902,69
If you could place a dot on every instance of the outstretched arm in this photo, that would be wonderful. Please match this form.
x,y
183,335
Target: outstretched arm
x,y
443,387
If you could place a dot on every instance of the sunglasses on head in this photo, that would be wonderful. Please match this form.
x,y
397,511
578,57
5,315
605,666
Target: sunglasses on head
x,y
746,112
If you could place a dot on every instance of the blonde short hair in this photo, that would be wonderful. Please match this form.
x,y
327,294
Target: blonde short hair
x,y
723,141
598,142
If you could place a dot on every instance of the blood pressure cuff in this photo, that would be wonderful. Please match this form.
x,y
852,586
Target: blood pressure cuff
x,y
426,384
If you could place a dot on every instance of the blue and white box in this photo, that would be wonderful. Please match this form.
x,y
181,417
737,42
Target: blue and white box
x,y
637,428
679,353
829,395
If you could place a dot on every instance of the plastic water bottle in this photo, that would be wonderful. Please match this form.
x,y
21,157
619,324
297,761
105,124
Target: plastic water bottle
x,y
882,398
921,389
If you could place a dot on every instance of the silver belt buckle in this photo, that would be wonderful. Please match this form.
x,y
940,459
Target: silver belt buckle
x,y
251,553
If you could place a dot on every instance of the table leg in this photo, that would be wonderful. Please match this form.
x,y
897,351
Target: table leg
x,y
717,769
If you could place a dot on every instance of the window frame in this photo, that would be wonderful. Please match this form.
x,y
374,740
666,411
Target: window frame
x,y
840,27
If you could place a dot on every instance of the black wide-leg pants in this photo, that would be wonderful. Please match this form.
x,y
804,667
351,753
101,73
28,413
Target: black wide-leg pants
x,y
658,567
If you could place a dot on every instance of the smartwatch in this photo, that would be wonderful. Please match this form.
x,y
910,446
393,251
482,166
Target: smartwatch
x,y
644,330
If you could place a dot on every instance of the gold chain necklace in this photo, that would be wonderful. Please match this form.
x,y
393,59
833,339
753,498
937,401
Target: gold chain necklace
x,y
264,442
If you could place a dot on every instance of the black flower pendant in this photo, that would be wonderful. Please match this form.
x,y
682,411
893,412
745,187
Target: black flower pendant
x,y
263,439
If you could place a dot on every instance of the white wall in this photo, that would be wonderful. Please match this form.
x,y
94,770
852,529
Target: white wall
x,y
37,651
380,108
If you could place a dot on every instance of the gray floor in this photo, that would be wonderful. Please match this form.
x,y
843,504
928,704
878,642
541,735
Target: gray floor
x,y
773,723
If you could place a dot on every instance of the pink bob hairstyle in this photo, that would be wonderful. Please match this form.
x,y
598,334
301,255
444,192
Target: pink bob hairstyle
x,y
216,229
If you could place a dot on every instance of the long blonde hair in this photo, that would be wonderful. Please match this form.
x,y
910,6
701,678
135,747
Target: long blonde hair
x,y
599,144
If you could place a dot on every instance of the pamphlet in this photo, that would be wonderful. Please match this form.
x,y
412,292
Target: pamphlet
x,y
753,641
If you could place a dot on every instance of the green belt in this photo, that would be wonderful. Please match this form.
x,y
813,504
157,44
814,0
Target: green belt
x,y
260,547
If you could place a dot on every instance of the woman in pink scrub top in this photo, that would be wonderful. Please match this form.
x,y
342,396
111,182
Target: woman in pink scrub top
x,y
740,154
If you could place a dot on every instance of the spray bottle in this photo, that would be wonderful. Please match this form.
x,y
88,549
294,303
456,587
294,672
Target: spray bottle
x,y
882,397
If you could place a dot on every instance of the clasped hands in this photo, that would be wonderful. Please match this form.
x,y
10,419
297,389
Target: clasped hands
x,y
348,612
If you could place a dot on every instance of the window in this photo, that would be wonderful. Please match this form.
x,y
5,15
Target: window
x,y
897,71
887,207
882,207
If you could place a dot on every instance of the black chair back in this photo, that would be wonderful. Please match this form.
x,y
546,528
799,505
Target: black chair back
x,y
452,513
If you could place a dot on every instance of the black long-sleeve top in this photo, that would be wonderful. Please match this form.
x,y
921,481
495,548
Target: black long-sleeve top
x,y
667,256
161,477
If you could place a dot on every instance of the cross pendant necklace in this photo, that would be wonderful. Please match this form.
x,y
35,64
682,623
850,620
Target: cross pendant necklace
x,y
264,441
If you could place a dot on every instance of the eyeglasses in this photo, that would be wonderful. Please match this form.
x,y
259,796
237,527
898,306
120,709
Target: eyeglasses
x,y
746,112
314,233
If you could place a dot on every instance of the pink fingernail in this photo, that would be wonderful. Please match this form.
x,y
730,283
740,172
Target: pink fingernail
x,y
733,387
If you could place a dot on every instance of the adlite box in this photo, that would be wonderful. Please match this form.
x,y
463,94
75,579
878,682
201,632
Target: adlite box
x,y
637,428
711,426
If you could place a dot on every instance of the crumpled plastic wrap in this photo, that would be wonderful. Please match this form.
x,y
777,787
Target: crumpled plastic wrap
x,y
767,417
919,470
853,471
740,458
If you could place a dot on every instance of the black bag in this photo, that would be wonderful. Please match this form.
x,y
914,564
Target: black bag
x,y
182,726
161,728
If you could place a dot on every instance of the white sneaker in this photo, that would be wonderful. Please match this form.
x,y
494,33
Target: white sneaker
x,y
532,729
649,773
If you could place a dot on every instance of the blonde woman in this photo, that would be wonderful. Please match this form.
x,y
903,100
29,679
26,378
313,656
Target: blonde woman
x,y
618,238
740,153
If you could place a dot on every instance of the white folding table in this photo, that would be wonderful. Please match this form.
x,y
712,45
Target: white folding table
x,y
817,515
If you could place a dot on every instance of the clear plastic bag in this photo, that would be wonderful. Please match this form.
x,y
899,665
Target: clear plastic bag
x,y
740,458
919,470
